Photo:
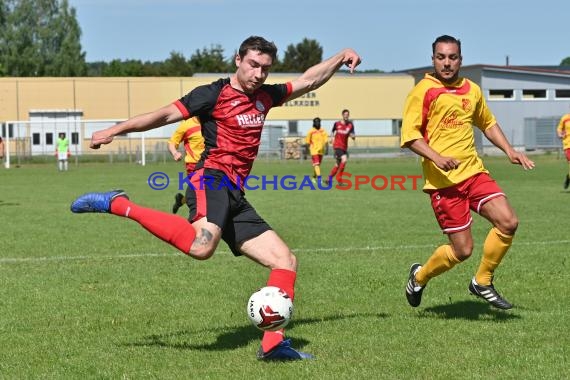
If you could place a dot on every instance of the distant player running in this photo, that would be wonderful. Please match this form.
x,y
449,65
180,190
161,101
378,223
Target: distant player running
x,y
317,141
341,131
188,132
563,132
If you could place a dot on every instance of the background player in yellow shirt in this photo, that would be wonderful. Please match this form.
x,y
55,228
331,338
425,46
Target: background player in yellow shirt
x,y
439,115
190,133
317,141
563,131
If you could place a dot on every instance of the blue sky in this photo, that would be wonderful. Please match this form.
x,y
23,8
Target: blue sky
x,y
388,34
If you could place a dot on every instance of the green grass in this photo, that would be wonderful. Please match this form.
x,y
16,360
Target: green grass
x,y
97,297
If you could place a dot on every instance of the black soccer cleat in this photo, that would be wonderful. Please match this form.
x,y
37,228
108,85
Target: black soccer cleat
x,y
489,294
567,181
413,289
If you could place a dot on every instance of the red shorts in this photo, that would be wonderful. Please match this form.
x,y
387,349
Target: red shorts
x,y
317,159
567,154
452,205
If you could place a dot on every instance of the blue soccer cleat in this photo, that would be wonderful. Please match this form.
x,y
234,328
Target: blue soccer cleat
x,y
96,202
283,351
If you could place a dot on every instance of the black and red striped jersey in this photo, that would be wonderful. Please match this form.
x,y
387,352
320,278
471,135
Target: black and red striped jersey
x,y
232,122
341,132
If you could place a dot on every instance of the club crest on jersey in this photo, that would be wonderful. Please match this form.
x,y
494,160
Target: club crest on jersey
x,y
466,104
259,106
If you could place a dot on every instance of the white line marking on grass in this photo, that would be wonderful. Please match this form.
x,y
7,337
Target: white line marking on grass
x,y
7,260
71,258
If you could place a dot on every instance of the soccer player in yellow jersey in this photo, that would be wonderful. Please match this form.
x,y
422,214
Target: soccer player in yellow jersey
x,y
190,133
439,116
563,131
317,141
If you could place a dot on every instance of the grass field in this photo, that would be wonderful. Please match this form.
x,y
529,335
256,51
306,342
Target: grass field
x,y
97,297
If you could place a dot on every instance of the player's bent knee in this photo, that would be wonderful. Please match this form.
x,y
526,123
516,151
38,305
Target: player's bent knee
x,y
463,253
509,227
285,261
201,253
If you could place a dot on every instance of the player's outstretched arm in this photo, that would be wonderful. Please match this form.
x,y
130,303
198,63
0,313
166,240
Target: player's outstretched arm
x,y
162,116
320,73
497,137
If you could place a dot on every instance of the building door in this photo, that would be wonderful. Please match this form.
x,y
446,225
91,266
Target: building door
x,y
46,125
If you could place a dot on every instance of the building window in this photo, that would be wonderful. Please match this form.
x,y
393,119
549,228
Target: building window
x,y
49,138
10,130
35,139
501,94
534,94
562,94
74,138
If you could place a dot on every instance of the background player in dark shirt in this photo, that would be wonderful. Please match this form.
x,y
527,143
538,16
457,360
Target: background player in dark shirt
x,y
341,131
232,111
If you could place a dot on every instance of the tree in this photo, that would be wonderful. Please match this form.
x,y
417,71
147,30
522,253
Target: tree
x,y
565,62
300,57
176,66
210,61
40,38
64,40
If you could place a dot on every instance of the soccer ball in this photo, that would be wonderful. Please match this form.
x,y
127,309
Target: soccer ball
x,y
269,308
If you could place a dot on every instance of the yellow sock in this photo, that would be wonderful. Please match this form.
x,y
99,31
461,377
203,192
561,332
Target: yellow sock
x,y
442,260
317,170
494,249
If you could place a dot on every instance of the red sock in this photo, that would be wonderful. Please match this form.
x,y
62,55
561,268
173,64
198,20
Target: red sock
x,y
284,279
333,171
170,228
340,170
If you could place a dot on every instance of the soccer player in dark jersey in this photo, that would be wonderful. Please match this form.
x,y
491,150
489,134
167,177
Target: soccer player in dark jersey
x,y
341,131
232,111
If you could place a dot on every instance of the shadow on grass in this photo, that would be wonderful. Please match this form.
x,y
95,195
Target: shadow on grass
x,y
230,338
2,203
469,310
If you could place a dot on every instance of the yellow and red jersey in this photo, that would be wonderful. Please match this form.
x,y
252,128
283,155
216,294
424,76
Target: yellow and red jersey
x,y
190,133
444,116
317,140
564,128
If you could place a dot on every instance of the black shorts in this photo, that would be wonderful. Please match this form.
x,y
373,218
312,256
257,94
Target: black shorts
x,y
214,196
338,153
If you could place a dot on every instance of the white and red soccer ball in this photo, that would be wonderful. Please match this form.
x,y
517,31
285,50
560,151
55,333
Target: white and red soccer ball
x,y
270,308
